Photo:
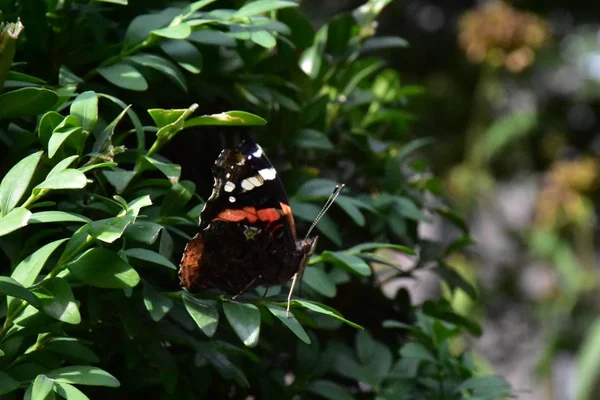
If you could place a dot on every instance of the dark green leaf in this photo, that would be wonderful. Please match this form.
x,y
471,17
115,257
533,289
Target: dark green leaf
x,y
139,29
264,39
83,375
162,65
312,139
72,348
291,322
143,231
28,270
492,387
171,171
103,268
308,212
454,279
350,262
7,383
119,178
125,76
418,351
382,42
349,205
16,181
11,287
85,109
184,53
326,310
26,102
318,280
150,256
177,197
48,123
244,318
56,299
409,209
157,305
329,390
215,38
203,312
588,362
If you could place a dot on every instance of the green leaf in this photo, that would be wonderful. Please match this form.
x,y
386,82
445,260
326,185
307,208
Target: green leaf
x,y
210,37
291,322
15,219
171,171
184,53
308,212
588,363
140,27
409,209
56,299
143,231
28,270
42,386
170,122
350,262
48,123
85,109
157,305
228,118
110,229
10,287
177,197
349,205
313,57
65,390
119,178
162,65
62,165
382,42
203,312
318,280
43,217
104,139
454,279
376,357
418,351
66,179
262,6
326,310
329,390
371,246
180,31
244,318
83,375
150,256
492,387
103,268
264,39
7,383
503,132
124,76
71,348
16,181
26,102
312,139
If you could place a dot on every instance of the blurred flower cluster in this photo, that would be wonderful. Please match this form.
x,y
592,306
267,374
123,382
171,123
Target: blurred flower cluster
x,y
497,34
563,199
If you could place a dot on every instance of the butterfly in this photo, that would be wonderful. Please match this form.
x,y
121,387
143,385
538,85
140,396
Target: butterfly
x,y
247,232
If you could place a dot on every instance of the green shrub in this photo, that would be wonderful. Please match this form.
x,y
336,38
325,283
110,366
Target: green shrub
x,y
93,219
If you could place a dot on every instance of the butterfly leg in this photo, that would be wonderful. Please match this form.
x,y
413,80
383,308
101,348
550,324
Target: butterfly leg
x,y
289,299
248,286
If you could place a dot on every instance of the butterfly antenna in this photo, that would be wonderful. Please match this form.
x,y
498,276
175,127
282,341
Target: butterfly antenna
x,y
336,192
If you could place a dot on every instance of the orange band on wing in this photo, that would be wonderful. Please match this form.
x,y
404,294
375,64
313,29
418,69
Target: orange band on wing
x,y
230,215
268,214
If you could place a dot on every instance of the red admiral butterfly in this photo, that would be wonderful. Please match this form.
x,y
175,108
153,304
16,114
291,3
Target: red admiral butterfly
x,y
247,233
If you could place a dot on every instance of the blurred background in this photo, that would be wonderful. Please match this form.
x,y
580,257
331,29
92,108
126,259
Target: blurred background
x,y
511,98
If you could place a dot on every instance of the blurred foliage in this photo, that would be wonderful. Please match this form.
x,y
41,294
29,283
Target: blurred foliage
x,y
96,205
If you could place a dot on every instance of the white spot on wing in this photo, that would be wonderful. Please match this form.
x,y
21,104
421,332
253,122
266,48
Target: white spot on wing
x,y
229,186
256,181
258,152
268,173
228,175
247,185
231,199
